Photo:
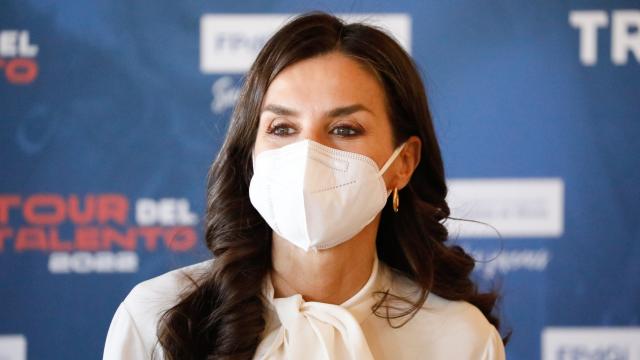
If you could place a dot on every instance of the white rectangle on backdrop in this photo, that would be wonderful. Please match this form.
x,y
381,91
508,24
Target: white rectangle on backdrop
x,y
515,207
590,343
13,347
229,43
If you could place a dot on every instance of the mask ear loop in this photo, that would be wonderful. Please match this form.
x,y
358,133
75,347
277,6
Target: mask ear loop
x,y
392,158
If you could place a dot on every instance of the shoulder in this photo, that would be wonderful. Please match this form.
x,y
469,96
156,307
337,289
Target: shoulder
x,y
133,329
454,329
165,290
148,300
446,313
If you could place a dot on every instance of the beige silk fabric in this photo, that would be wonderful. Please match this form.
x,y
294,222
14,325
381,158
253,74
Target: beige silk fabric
x,y
313,330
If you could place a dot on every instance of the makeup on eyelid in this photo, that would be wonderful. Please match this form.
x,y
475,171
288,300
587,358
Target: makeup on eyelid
x,y
347,130
350,129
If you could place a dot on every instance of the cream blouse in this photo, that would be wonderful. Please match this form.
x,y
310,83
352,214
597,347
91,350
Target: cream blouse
x,y
298,329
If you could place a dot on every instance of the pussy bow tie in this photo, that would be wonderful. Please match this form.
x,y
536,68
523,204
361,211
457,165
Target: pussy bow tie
x,y
319,331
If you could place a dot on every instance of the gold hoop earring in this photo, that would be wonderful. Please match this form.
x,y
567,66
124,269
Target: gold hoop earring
x,y
396,200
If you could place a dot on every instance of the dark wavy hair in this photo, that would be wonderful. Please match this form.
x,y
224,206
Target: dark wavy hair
x,y
222,315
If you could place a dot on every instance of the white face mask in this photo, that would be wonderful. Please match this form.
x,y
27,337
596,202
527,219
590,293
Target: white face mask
x,y
316,196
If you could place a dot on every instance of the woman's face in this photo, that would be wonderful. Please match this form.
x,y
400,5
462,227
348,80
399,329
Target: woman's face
x,y
330,99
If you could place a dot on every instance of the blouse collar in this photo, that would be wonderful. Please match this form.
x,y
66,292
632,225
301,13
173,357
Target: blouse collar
x,y
314,330
359,305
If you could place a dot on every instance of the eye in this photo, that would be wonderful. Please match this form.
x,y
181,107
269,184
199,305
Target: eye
x,y
345,131
281,130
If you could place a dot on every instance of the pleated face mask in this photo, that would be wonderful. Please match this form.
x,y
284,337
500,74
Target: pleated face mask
x,y
316,196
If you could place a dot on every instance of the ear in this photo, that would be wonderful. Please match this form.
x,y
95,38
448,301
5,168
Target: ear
x,y
407,162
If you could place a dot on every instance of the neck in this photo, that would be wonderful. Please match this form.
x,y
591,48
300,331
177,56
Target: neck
x,y
330,276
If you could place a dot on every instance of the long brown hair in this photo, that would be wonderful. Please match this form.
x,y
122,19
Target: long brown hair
x,y
222,316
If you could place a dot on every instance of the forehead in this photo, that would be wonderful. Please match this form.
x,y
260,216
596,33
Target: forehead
x,y
324,82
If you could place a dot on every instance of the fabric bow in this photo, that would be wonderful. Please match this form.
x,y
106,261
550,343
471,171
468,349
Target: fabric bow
x,y
319,331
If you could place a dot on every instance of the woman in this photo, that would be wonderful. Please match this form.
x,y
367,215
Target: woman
x,y
310,259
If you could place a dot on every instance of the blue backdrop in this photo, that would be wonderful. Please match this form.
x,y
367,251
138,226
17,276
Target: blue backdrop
x,y
110,117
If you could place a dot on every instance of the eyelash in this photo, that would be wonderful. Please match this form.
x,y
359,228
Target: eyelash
x,y
274,130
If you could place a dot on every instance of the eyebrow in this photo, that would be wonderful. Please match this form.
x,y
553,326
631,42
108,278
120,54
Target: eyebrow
x,y
337,112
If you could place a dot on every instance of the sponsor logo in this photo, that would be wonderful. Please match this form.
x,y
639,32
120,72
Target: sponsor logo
x,y
229,43
18,57
13,347
493,262
519,208
94,233
591,343
625,36
225,94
